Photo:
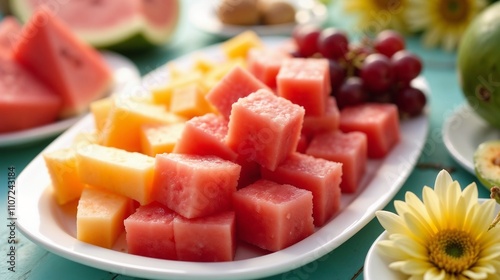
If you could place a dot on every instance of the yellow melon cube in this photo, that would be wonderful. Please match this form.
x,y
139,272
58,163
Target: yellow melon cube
x,y
100,215
100,110
189,101
217,73
125,119
203,64
122,172
162,95
160,139
85,138
63,173
239,45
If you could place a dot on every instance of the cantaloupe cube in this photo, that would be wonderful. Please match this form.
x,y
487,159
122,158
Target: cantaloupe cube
x,y
100,110
239,45
100,216
123,125
61,165
160,139
122,172
162,95
189,101
85,138
203,64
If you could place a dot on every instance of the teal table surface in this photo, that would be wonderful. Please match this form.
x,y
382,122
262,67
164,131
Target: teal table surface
x,y
346,261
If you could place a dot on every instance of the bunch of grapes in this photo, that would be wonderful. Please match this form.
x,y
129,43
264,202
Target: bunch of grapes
x,y
377,69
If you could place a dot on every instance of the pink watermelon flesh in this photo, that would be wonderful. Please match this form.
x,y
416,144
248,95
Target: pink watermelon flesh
x,y
205,135
250,171
207,239
328,122
25,102
265,64
321,177
264,128
234,85
10,29
161,13
380,123
71,68
150,232
193,185
350,149
273,216
306,82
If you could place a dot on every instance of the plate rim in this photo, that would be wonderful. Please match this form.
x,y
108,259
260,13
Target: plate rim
x,y
394,174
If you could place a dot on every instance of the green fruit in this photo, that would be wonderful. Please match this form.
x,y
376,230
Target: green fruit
x,y
487,163
478,61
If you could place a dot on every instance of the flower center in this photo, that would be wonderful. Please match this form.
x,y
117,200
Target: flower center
x,y
453,250
454,10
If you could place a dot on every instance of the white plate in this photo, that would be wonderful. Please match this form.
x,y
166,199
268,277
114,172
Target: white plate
x,y
463,131
53,228
202,15
377,266
124,71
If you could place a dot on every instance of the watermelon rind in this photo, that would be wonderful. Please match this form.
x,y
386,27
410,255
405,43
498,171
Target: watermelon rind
x,y
133,34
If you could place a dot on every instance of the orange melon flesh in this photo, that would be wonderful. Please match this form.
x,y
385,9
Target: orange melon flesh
x,y
100,215
61,165
122,172
160,139
239,46
126,117
72,68
100,110
189,101
163,94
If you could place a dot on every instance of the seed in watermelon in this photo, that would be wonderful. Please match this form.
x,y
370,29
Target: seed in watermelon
x,y
321,177
206,239
25,102
306,82
273,216
205,135
121,25
350,149
150,232
264,128
73,69
234,85
380,123
194,185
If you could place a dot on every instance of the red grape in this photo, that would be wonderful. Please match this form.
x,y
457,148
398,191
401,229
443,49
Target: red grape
x,y
333,43
306,37
351,93
337,74
406,66
410,101
388,42
376,73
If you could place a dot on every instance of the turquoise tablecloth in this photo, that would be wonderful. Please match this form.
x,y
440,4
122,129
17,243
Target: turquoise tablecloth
x,y
345,262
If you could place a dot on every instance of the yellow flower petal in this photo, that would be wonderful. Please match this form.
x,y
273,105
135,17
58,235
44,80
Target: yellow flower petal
x,y
435,274
409,246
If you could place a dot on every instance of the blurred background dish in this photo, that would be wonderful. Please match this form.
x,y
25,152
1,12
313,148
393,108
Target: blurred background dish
x,y
204,16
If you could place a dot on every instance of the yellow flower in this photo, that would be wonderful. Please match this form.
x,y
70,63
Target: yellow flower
x,y
377,15
443,236
442,21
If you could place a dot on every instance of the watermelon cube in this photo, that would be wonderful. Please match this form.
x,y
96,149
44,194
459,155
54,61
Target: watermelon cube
x,y
150,232
350,149
25,102
206,239
328,122
205,135
234,85
380,123
265,64
250,171
306,82
10,29
100,215
73,69
321,177
265,128
194,185
273,216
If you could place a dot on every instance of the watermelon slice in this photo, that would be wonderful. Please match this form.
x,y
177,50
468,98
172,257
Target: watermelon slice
x,y
70,67
9,34
120,25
